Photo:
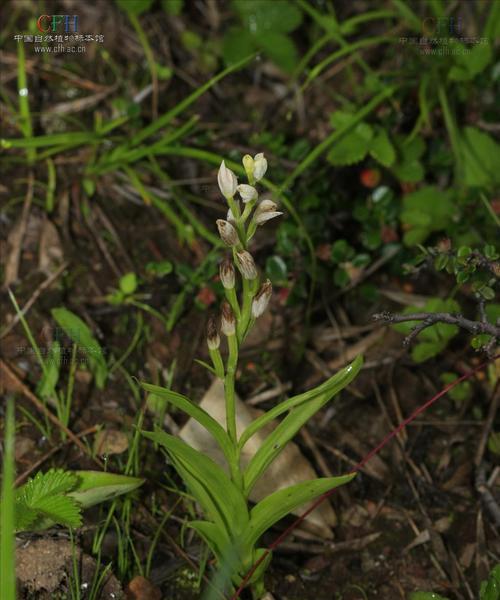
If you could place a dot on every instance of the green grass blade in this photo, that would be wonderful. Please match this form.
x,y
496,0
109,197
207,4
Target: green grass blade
x,y
181,106
7,540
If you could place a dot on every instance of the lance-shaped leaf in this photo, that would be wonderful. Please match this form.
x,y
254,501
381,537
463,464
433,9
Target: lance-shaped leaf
x,y
290,425
80,333
219,497
331,386
276,506
215,537
209,423
94,487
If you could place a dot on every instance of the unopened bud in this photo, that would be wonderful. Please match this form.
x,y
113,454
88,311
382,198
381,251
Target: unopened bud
x,y
261,300
259,167
265,206
247,192
213,339
227,181
248,164
246,264
227,232
266,216
227,274
228,322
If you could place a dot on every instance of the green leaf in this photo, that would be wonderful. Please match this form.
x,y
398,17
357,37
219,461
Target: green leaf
x,y
425,350
172,7
382,150
481,156
350,149
221,500
78,331
494,442
94,487
277,270
280,48
215,538
266,16
47,386
193,410
291,424
471,63
330,387
236,45
490,589
128,283
279,504
42,499
428,209
135,7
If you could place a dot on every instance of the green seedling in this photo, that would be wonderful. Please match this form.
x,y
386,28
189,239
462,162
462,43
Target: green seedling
x,y
231,528
58,497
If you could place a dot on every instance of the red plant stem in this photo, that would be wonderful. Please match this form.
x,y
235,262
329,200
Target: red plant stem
x,y
359,466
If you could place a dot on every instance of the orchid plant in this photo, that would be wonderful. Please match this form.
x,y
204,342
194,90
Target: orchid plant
x,y
230,526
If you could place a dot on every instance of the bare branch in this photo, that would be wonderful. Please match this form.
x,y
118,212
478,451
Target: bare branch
x,y
428,319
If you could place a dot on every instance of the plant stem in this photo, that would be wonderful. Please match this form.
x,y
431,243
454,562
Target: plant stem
x,y
232,363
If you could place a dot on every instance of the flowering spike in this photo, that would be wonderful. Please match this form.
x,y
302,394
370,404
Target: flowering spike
x,y
228,321
260,166
213,339
246,265
247,192
227,181
227,232
261,300
227,274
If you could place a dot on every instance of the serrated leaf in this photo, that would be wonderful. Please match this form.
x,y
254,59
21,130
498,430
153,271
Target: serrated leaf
x,y
409,172
209,423
382,149
291,424
428,209
350,149
273,508
80,333
42,498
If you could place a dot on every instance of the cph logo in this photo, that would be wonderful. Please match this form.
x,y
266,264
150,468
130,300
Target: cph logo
x,y
51,23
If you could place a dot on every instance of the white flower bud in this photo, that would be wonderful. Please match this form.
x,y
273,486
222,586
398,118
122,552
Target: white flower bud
x,y
227,181
227,274
266,216
228,322
265,206
227,232
261,300
248,164
213,339
260,166
246,265
247,192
